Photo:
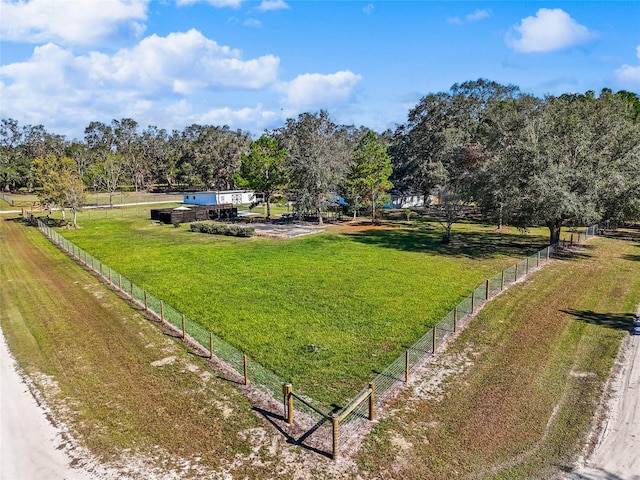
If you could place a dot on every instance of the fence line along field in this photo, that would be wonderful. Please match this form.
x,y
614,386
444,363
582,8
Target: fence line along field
x,y
325,312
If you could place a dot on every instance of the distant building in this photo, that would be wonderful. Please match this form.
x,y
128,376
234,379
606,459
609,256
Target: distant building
x,y
409,199
234,197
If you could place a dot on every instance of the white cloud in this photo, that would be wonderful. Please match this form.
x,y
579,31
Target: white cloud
x,y
55,83
269,5
471,17
186,62
550,29
629,75
255,118
213,3
252,22
317,90
369,9
69,23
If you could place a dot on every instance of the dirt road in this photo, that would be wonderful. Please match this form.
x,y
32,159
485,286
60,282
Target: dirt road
x,y
28,441
617,451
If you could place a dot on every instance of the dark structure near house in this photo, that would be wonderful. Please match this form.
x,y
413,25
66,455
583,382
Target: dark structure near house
x,y
194,213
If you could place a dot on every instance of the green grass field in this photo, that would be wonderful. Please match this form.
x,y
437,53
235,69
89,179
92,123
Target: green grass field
x,y
326,311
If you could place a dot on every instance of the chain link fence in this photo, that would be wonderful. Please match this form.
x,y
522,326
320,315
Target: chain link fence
x,y
336,429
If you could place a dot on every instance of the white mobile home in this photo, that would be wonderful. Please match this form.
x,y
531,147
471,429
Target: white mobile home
x,y
235,197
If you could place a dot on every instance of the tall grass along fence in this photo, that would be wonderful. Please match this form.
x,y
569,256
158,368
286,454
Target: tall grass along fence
x,y
335,429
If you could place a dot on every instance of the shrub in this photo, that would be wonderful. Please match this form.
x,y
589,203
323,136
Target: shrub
x,y
221,229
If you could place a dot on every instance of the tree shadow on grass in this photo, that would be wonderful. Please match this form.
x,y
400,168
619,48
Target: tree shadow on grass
x,y
628,233
428,239
576,252
616,321
631,257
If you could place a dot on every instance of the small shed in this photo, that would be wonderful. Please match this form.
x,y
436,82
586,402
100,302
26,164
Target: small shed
x,y
185,214
234,197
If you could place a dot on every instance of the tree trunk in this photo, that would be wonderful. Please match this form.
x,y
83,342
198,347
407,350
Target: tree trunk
x,y
320,222
373,206
554,227
267,199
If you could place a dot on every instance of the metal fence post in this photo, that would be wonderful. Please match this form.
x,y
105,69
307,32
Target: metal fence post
x,y
335,422
515,274
161,310
146,304
434,340
184,327
527,270
372,389
486,293
473,298
210,344
455,318
246,369
502,281
406,367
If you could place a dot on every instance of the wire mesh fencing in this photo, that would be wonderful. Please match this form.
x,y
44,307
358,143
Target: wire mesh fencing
x,y
247,369
396,375
341,428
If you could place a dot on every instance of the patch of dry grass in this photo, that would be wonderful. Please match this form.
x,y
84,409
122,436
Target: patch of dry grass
x,y
540,356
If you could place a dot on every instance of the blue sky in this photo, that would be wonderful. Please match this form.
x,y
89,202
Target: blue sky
x,y
253,64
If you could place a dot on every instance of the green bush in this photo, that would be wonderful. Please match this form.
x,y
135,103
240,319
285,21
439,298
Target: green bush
x,y
222,229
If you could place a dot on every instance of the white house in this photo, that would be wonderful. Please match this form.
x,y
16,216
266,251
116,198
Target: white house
x,y
410,199
235,197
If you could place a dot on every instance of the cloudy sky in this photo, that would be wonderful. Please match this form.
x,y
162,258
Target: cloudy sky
x,y
253,64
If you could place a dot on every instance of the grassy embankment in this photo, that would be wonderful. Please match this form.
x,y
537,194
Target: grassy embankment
x,y
539,356
120,385
323,311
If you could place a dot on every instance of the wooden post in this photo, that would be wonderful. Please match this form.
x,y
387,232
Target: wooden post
x,y
502,281
120,281
372,387
473,298
210,344
184,327
131,290
92,267
486,296
335,421
538,260
455,318
161,310
110,282
527,270
515,275
287,391
434,340
406,367
146,305
246,370
572,239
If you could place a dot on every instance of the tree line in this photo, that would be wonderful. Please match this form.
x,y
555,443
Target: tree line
x,y
521,159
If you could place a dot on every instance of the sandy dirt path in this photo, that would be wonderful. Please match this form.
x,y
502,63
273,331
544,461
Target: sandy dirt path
x,y
28,441
617,452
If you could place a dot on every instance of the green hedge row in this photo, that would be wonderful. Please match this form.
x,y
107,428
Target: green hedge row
x,y
222,229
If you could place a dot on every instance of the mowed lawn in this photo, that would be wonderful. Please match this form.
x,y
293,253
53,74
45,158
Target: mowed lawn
x,y
325,311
